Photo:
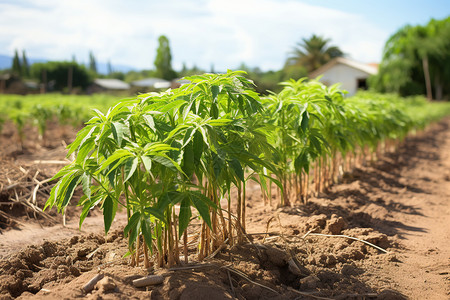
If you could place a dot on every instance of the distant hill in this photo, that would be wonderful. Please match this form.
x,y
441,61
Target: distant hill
x,y
6,62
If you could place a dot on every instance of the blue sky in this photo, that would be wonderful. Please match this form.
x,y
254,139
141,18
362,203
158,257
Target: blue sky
x,y
204,32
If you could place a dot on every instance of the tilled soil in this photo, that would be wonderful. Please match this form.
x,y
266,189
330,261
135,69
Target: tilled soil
x,y
399,203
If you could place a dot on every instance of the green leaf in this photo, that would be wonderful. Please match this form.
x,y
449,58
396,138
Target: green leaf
x,y
65,170
219,122
69,190
82,136
163,202
218,164
147,162
86,185
237,168
84,150
156,213
172,105
176,130
188,165
147,233
118,129
167,162
132,222
86,208
150,122
184,216
109,212
130,167
305,121
197,147
215,90
89,204
200,203
214,111
51,201
115,158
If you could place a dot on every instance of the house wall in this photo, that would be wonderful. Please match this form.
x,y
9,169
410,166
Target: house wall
x,y
347,76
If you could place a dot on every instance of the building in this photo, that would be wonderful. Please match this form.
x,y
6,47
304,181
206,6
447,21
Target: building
x,y
152,83
352,75
104,85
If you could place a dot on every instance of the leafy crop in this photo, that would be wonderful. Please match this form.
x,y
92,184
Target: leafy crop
x,y
39,110
165,157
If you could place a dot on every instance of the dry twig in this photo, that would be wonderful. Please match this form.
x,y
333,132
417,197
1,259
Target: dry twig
x,y
346,236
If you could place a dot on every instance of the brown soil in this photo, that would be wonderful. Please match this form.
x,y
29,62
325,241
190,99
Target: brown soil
x,y
399,203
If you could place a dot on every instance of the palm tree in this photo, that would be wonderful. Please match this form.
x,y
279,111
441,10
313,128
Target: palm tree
x,y
313,52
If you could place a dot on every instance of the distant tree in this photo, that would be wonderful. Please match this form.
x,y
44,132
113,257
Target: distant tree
x,y
117,75
184,70
137,75
57,74
25,66
416,59
16,66
92,62
313,53
110,70
163,60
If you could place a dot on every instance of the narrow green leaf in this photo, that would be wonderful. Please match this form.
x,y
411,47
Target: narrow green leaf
x,y
130,167
109,212
188,164
305,121
156,213
184,216
82,136
215,90
86,185
147,162
149,121
114,158
68,192
237,168
147,233
118,130
198,199
134,219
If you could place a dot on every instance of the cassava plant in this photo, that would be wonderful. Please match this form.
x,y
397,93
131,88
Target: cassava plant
x,y
177,150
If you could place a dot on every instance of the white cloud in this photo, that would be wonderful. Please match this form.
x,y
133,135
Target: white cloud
x,y
224,33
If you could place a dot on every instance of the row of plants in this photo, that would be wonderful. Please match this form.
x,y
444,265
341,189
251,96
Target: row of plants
x,y
39,110
169,158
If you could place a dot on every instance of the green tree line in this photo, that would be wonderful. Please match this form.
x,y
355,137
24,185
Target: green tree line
x,y
416,60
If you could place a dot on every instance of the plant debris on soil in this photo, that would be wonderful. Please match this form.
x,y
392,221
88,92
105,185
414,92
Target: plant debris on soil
x,y
330,248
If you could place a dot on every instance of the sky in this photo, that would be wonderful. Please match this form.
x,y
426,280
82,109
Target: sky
x,y
205,33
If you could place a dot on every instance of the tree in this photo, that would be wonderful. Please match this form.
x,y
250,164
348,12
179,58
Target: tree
x,y
416,59
110,69
57,72
163,60
25,66
92,63
313,53
16,66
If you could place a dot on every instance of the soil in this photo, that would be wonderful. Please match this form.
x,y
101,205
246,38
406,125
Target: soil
x,y
400,203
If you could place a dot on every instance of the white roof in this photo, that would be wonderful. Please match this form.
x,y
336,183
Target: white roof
x,y
370,70
112,84
156,83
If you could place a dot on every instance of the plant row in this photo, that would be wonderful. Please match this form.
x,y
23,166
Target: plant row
x,y
169,158
39,110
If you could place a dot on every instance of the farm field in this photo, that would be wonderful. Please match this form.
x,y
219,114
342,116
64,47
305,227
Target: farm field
x,y
398,202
